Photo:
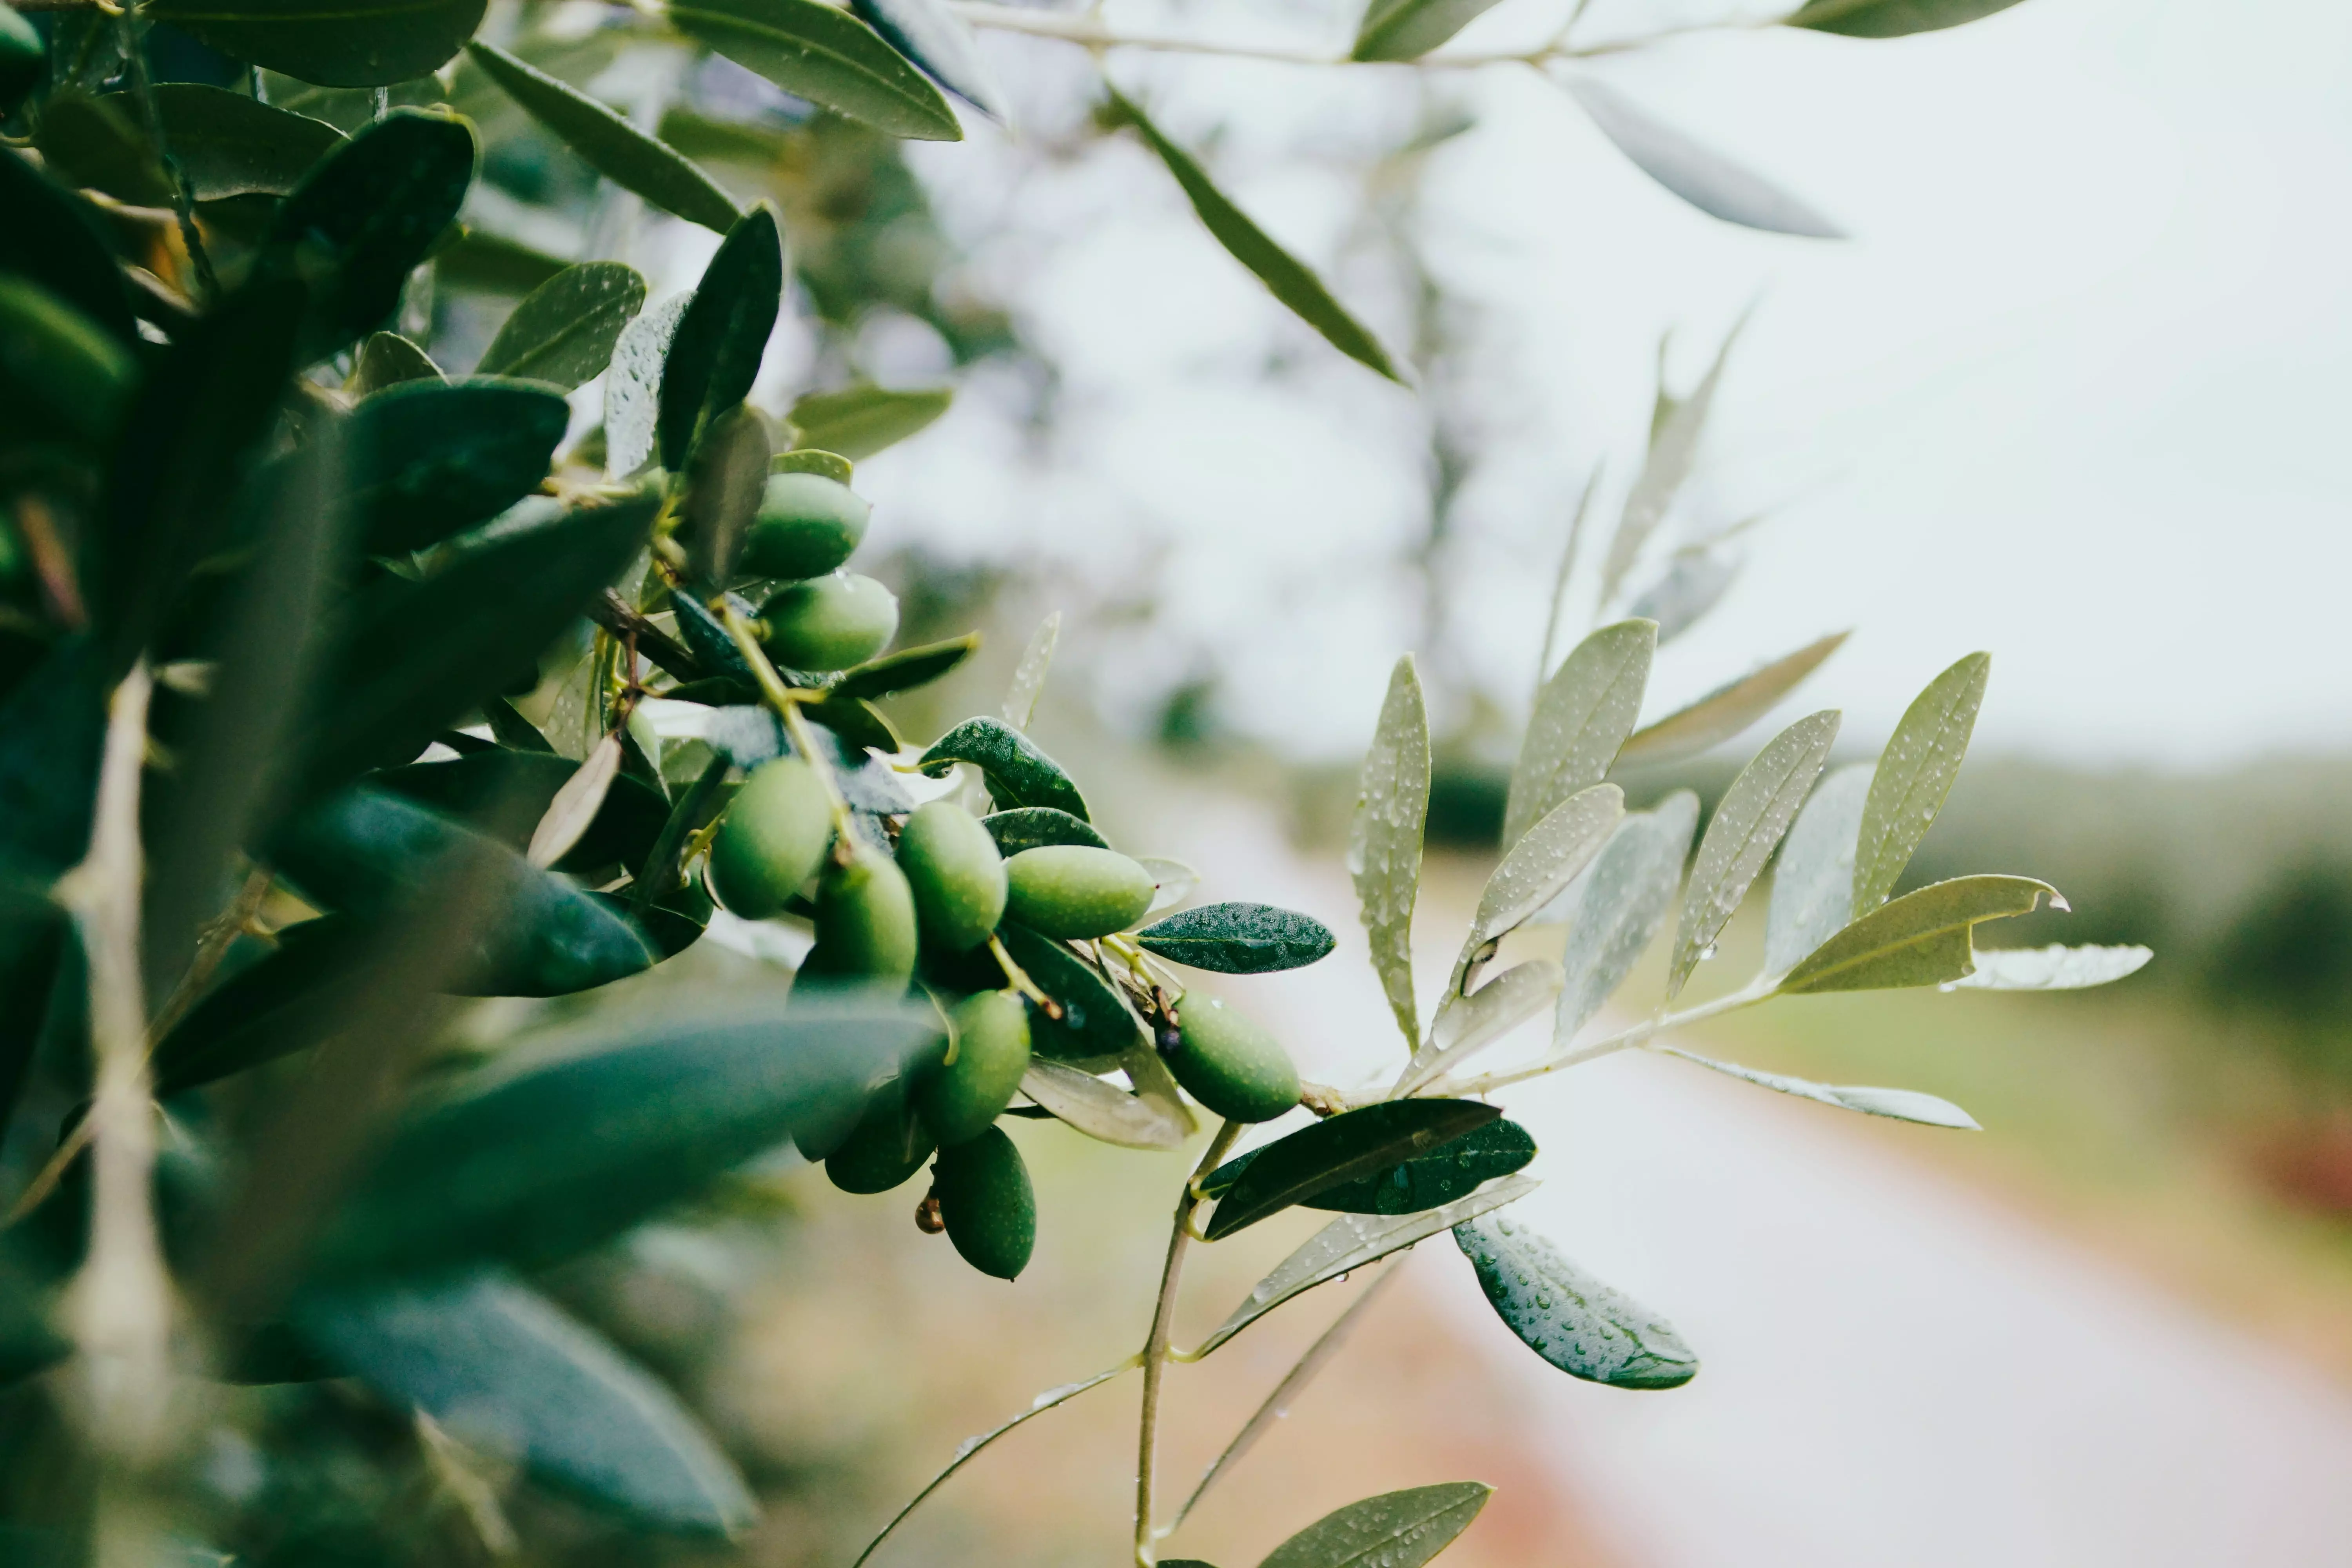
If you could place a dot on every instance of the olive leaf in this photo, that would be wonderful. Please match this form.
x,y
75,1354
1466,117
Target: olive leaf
x,y
633,385
1755,811
52,732
1920,939
1018,772
1568,1317
1172,881
432,458
611,146
856,723
477,260
1450,1172
1722,713
1029,675
1673,454
1693,171
503,791
1408,29
1103,1111
1350,1242
1898,1104
2053,968
1622,908
860,421
1384,839
286,1001
1890,18
1582,717
1095,1029
334,43
1915,775
726,481
227,145
566,330
941,42
1288,278
1036,826
905,669
1695,581
97,142
54,237
815,52
1538,870
809,460
1812,885
1467,1024
1239,938
507,1371
716,347
1346,1147
387,360
1396,1530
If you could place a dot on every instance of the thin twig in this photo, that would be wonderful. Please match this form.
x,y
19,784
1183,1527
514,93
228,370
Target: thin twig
x,y
1641,1033
132,30
1155,1345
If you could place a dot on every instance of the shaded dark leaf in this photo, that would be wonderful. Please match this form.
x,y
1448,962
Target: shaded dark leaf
x,y
1345,1148
387,358
287,1002
54,237
1239,938
335,43
1448,1172
1035,826
714,353
905,669
1018,773
1095,1029
431,459
228,145
1891,18
1568,1317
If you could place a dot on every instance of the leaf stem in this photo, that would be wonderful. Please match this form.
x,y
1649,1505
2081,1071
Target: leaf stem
x,y
1155,1344
1018,978
1640,1035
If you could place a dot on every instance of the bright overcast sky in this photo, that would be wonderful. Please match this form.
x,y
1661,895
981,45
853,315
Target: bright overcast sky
x,y
2071,394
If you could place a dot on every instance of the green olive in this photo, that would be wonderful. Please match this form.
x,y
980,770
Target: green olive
x,y
888,1145
1072,891
1230,1064
962,1099
60,372
830,622
989,1208
865,923
807,525
775,832
957,874
24,59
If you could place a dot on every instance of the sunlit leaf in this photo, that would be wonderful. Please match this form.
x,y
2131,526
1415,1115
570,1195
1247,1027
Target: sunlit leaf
x,y
941,42
1408,29
1622,908
1018,772
564,331
1812,885
1104,1110
1343,1149
2053,968
1693,584
1694,171
1727,710
860,421
1582,717
1029,675
1915,773
1755,811
1898,1104
726,481
1540,867
99,143
334,43
1239,938
1673,454
52,237
1919,939
1466,1024
1384,839
1891,18
815,52
633,387
1395,1530
1568,1318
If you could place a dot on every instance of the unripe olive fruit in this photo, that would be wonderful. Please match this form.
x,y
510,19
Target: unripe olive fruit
x,y
59,372
865,923
24,59
888,1145
830,622
962,1099
987,1204
774,834
957,874
1072,891
1230,1064
807,525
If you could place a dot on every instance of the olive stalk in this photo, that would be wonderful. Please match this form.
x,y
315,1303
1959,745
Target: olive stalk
x,y
787,704
1155,1344
1018,978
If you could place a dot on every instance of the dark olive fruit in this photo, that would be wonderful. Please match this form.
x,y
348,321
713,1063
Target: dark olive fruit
x,y
957,874
963,1098
989,1206
774,834
1071,890
807,525
60,372
24,59
888,1145
830,622
1230,1064
865,923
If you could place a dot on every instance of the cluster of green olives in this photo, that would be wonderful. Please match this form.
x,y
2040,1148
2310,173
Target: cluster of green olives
x,y
822,618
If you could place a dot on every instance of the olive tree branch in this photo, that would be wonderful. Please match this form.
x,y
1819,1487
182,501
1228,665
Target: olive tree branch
x,y
1640,1035
1155,1344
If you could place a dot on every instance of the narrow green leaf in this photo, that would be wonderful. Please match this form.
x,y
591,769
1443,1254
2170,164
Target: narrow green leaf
x,y
1035,826
1450,1172
490,263
502,792
564,331
578,1133
1288,278
908,668
1019,773
611,146
1674,453
1812,885
1350,1242
726,482
2053,968
1094,1030
942,43
1695,581
1538,870
1029,675
1239,938
860,421
633,387
387,358
1897,1104
54,237
809,460
1724,712
812,51
228,145
98,143
1568,1317
507,1372
1384,839
1890,18
287,1002
430,459
334,43
1915,775
1693,171
1345,1148
1467,1024
1408,29
1395,1530
1919,939
714,353
1104,1110
1756,811
1622,908
1582,717
857,723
